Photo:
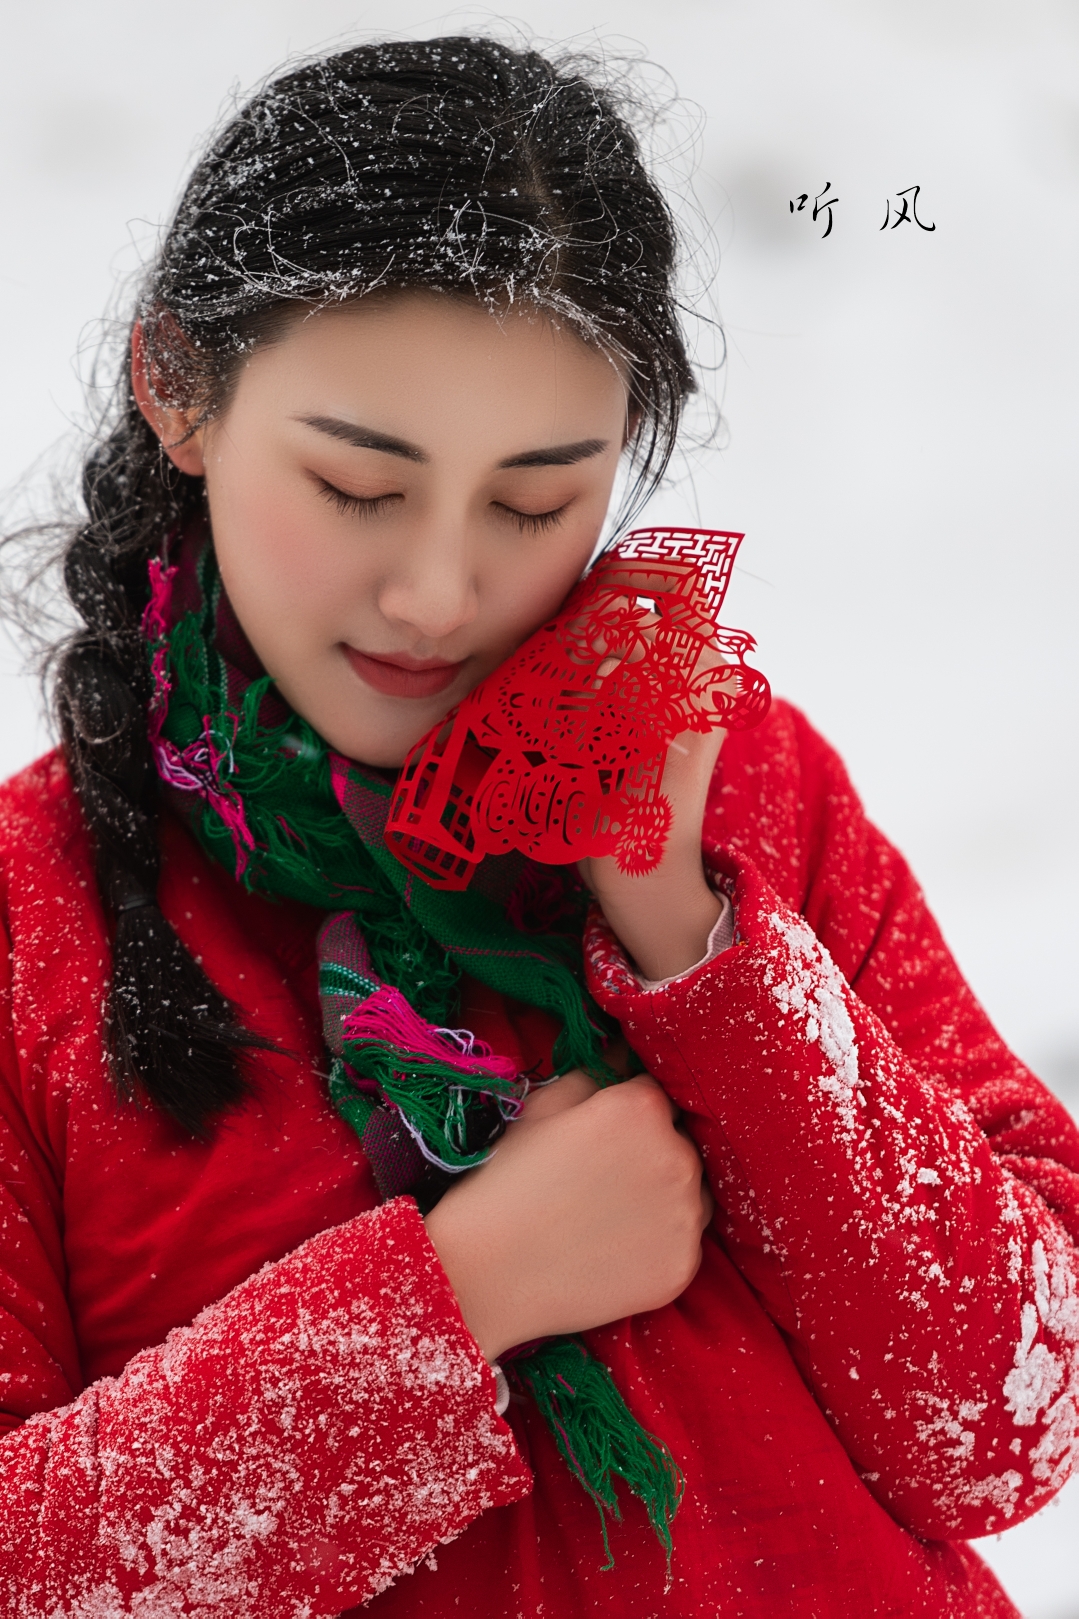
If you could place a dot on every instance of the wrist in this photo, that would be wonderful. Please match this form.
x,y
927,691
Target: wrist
x,y
469,1264
663,919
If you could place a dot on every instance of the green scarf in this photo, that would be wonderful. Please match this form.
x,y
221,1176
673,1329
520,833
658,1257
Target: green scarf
x,y
264,795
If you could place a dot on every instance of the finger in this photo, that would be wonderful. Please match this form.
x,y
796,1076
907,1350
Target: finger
x,y
646,1079
569,1090
691,755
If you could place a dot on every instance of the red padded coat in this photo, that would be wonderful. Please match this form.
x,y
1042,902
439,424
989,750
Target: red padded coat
x,y
233,1385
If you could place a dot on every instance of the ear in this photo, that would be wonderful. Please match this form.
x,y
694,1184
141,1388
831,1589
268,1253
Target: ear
x,y
169,422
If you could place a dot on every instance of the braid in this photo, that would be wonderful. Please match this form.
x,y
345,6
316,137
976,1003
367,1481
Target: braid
x,y
171,1034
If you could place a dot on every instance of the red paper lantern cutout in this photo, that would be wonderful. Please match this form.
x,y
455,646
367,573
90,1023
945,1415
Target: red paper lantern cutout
x,y
560,751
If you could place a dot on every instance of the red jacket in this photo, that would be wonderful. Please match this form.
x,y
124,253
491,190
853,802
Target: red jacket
x,y
233,1385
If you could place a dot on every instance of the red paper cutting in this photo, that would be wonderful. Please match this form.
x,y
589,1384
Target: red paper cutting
x,y
560,751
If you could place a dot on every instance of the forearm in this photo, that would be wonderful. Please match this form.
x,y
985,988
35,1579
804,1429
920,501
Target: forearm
x,y
662,919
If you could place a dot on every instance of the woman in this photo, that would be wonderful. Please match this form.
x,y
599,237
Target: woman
x,y
416,304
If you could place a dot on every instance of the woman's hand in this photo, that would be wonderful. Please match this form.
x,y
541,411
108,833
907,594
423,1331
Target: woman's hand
x,y
591,1208
663,919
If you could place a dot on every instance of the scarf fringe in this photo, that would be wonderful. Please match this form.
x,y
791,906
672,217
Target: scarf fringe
x,y
428,1073
599,1438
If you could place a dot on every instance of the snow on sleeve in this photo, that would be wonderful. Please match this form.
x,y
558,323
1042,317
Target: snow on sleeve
x,y
927,1291
303,1443
1042,1387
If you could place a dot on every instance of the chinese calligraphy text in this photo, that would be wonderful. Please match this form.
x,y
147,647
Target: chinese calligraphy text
x,y
822,204
909,212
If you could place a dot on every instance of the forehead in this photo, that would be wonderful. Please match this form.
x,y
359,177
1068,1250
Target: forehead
x,y
421,355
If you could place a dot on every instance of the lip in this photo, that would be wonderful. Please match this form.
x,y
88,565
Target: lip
x,y
396,674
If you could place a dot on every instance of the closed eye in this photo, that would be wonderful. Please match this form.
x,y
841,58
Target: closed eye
x,y
534,522
359,505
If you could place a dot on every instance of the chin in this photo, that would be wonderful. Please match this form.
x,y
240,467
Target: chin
x,y
384,748
385,735
377,758
379,752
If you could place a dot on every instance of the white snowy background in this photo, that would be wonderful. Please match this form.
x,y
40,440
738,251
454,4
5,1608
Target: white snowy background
x,y
901,405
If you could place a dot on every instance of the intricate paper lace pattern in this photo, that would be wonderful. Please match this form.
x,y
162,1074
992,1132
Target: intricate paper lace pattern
x,y
560,751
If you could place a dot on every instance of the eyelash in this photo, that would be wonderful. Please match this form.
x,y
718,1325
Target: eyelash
x,y
357,504
535,522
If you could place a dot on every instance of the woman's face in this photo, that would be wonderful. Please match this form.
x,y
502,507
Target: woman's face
x,y
401,490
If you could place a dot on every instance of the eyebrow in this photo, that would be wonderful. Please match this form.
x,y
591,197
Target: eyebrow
x,y
364,438
559,455
369,438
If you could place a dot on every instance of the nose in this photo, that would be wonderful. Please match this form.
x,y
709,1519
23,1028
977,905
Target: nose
x,y
431,587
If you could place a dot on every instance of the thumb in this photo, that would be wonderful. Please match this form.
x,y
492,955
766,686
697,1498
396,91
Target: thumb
x,y
569,1090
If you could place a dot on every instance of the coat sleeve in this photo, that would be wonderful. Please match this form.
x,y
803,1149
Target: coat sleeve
x,y
900,1192
303,1442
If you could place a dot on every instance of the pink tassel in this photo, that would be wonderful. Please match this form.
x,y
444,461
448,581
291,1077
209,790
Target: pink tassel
x,y
155,618
192,771
386,1018
339,768
196,768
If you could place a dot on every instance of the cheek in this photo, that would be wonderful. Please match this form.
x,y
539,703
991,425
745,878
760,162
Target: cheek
x,y
531,592
282,564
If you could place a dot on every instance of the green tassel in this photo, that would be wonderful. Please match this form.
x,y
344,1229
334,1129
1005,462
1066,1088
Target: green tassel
x,y
599,1438
433,1096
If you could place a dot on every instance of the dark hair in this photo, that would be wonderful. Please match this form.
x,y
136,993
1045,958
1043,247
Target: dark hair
x,y
455,164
